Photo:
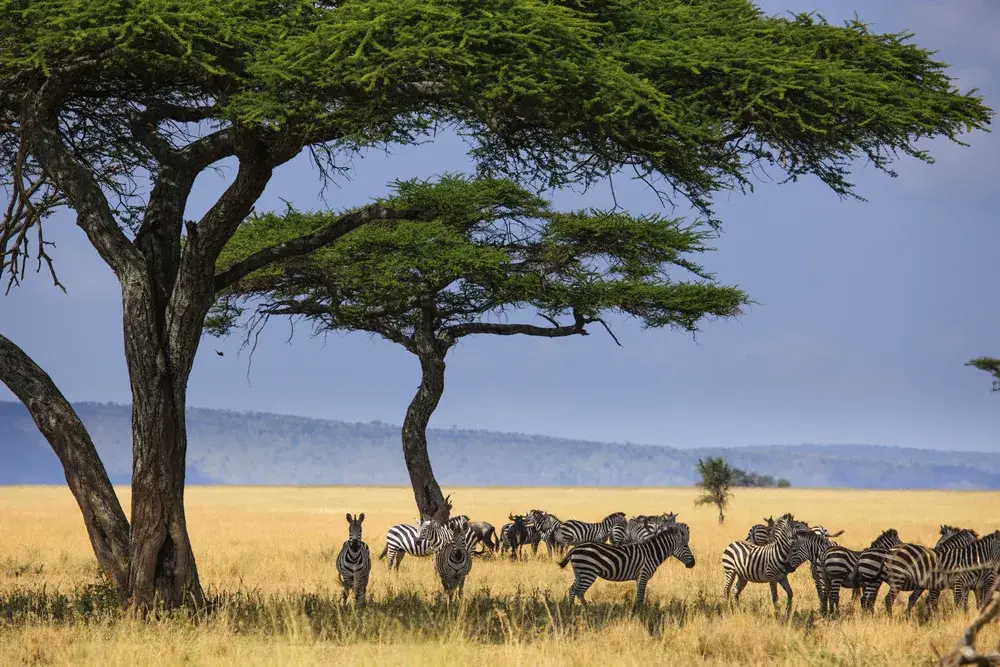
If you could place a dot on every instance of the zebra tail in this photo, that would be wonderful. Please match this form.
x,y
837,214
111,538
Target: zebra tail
x,y
381,556
565,560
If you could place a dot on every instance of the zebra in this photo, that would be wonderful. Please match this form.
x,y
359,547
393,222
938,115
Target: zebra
x,y
948,549
745,562
642,527
840,566
452,558
404,538
760,533
812,546
573,532
546,524
354,562
632,562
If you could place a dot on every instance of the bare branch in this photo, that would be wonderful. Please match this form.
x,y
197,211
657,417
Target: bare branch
x,y
456,331
965,652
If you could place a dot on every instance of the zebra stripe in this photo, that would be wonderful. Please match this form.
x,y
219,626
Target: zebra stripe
x,y
760,533
979,582
957,552
354,562
452,558
575,532
631,562
547,524
404,538
840,566
641,528
744,562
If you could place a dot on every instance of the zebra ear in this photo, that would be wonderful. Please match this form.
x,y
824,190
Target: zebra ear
x,y
361,517
348,517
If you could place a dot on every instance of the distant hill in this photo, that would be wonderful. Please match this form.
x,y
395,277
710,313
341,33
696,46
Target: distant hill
x,y
258,448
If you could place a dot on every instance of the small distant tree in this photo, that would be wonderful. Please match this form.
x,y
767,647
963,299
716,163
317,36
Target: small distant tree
x,y
784,484
716,478
989,365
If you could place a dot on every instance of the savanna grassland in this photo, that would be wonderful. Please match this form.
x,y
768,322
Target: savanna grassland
x,y
266,557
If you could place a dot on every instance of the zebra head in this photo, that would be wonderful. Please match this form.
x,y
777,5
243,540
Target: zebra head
x,y
681,550
807,545
354,527
887,540
956,539
458,523
615,519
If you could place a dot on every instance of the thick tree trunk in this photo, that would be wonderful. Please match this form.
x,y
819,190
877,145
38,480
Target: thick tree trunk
x,y
88,481
162,568
425,488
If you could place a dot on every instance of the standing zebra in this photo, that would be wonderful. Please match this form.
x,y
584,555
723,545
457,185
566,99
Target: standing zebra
x,y
354,562
640,528
979,582
632,562
573,532
452,560
963,548
547,524
841,564
812,546
404,538
745,562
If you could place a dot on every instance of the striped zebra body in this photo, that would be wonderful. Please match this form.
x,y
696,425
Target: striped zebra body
x,y
404,538
641,528
760,533
908,567
631,562
958,553
980,582
354,562
452,558
812,546
744,562
574,532
841,564
547,525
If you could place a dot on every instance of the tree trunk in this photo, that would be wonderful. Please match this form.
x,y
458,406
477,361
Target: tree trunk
x,y
85,474
425,488
162,568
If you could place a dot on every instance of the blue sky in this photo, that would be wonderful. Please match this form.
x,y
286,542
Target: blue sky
x,y
867,312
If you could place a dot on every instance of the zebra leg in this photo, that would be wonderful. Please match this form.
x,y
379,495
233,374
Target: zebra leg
x,y
730,578
774,593
833,597
914,596
360,585
788,591
346,586
890,598
640,590
819,580
741,583
582,581
399,558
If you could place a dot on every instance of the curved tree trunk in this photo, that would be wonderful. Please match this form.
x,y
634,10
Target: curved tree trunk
x,y
85,474
418,415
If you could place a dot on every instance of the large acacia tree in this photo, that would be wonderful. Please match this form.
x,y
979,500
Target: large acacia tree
x,y
493,260
113,108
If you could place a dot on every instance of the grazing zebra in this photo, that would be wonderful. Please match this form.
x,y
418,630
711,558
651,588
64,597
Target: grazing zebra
x,y
354,562
745,562
404,538
841,564
962,549
572,532
632,562
452,560
760,533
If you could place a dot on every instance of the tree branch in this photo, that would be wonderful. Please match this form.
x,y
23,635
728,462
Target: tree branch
x,y
88,480
965,652
456,331
308,243
94,214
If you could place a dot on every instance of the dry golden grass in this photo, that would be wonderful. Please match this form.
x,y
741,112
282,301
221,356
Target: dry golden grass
x,y
281,543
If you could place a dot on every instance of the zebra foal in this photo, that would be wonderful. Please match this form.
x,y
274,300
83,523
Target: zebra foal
x,y
354,562
630,562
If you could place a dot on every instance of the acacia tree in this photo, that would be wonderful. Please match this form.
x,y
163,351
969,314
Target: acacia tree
x,y
492,253
716,478
991,366
113,108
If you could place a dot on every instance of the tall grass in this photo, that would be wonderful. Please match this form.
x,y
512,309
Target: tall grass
x,y
267,556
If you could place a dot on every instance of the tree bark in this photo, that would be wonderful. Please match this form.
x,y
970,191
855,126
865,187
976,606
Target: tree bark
x,y
418,415
106,524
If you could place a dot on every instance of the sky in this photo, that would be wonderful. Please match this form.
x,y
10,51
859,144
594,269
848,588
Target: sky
x,y
866,311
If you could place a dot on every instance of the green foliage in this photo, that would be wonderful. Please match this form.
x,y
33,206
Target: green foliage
x,y
756,480
989,365
715,479
486,247
694,95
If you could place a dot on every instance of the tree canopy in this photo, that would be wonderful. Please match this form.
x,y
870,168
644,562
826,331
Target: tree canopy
x,y
485,249
716,476
989,365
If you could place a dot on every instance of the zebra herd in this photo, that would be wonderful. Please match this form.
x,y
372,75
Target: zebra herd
x,y
961,560
620,549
